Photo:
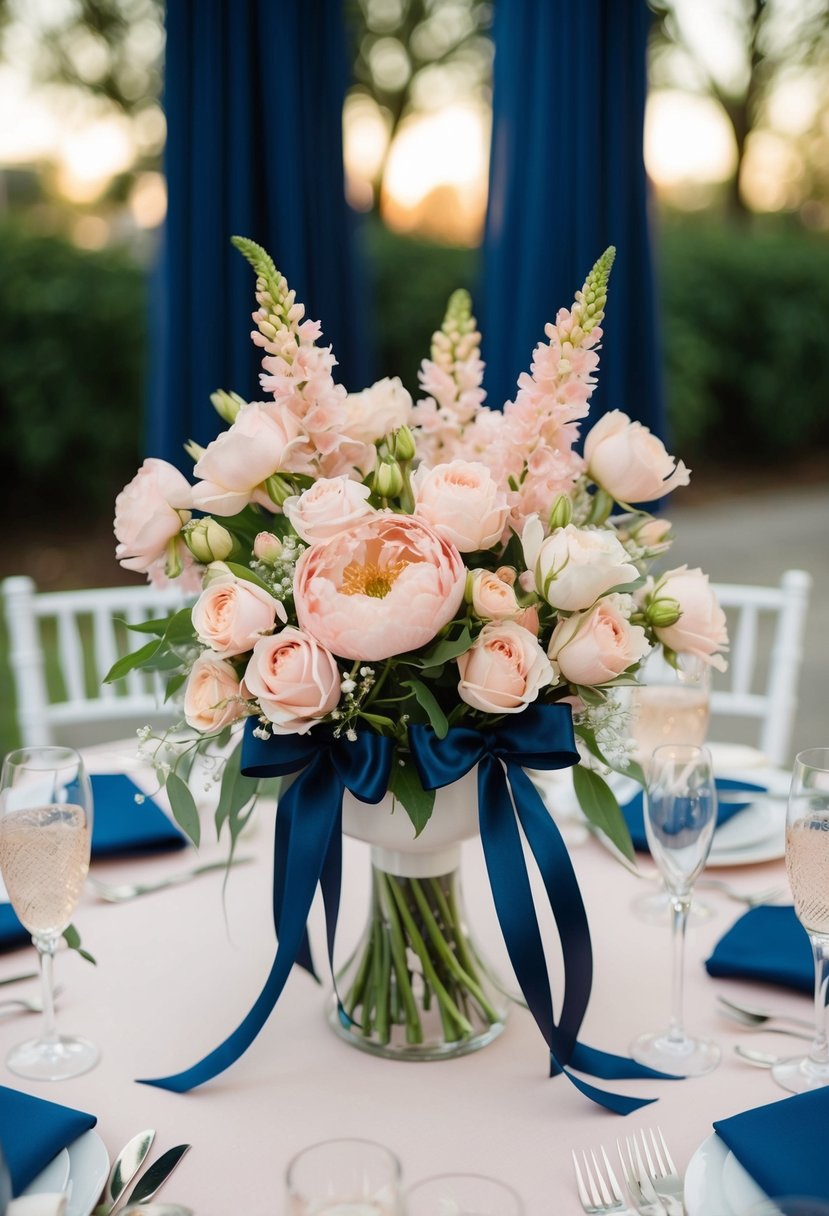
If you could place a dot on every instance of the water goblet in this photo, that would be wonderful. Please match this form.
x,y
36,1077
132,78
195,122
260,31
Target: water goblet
x,y
680,817
45,837
807,865
343,1178
462,1195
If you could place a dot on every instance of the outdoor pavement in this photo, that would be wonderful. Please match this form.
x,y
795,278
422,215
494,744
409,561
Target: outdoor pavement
x,y
753,538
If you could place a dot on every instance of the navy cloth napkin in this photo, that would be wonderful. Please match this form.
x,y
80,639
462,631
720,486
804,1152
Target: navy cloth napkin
x,y
33,1131
634,811
767,943
783,1145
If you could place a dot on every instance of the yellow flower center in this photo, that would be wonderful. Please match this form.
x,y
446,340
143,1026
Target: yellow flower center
x,y
370,579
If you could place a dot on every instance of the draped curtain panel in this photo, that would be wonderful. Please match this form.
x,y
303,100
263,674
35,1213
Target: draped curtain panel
x,y
253,98
567,178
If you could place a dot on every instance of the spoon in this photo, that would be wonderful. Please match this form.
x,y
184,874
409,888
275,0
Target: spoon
x,y
751,1016
762,1059
23,1004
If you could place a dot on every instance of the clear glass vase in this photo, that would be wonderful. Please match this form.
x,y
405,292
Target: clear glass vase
x,y
416,988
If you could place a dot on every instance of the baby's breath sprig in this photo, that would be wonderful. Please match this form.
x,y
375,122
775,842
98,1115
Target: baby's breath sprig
x,y
278,573
610,724
355,687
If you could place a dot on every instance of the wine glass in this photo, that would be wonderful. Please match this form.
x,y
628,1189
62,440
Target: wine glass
x,y
45,836
680,817
668,705
807,865
462,1195
344,1178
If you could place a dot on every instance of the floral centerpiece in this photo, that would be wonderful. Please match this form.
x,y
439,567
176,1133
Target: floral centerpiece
x,y
384,582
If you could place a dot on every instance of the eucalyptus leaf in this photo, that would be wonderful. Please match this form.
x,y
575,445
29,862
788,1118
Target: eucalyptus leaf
x,y
184,808
174,684
159,628
73,940
129,662
426,699
443,651
418,803
602,809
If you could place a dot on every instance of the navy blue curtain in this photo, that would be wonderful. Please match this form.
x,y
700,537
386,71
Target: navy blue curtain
x,y
567,178
253,98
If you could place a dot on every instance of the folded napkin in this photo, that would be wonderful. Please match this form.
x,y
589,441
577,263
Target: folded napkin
x,y
33,1131
122,826
766,944
12,932
783,1145
634,810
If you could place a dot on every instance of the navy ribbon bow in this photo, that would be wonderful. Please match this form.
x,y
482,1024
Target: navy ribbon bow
x,y
307,851
541,737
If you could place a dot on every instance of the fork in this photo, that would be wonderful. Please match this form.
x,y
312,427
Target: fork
x,y
119,893
600,1194
752,899
640,1188
661,1170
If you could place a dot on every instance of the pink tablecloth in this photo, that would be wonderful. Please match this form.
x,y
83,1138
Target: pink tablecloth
x,y
177,971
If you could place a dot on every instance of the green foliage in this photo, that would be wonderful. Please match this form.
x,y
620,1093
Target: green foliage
x,y
72,349
601,808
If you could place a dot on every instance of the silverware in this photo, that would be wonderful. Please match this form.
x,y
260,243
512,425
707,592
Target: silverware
x,y
760,1017
753,899
763,1027
119,893
23,1004
157,1209
18,979
601,1194
156,1176
661,1171
127,1164
645,1199
762,1059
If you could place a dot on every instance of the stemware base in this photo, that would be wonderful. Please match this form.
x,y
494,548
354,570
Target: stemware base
x,y
53,1060
800,1074
677,1056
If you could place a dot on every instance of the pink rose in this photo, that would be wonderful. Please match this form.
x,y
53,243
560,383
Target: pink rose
x,y
504,669
701,629
593,647
384,586
328,507
149,513
295,680
233,467
528,618
212,699
463,502
377,411
232,614
624,458
574,566
491,598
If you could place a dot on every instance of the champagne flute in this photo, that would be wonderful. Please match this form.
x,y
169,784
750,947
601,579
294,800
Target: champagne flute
x,y
45,836
343,1178
807,865
680,817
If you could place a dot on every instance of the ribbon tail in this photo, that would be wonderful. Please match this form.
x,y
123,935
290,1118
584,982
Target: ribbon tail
x,y
611,1067
319,793
284,817
618,1103
330,885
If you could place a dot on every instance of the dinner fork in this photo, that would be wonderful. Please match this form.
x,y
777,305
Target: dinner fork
x,y
600,1194
640,1188
661,1170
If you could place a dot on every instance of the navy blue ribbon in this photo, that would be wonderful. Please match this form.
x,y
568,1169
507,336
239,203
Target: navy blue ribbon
x,y
307,852
541,738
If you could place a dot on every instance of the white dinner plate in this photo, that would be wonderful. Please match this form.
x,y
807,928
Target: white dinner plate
x,y
717,1185
86,1163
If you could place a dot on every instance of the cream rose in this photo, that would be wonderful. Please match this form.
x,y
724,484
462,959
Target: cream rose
x,y
574,566
593,647
329,506
701,629
624,458
232,614
378,410
212,699
235,464
492,599
295,680
463,502
504,669
149,513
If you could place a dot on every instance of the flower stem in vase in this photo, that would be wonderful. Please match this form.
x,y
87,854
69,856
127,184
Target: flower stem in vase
x,y
415,987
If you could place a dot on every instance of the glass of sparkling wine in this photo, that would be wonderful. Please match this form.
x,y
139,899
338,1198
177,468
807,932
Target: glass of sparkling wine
x,y
45,835
807,865
462,1195
344,1178
680,817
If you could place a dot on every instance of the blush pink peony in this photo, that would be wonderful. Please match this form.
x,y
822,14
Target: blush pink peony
x,y
149,513
329,506
463,502
624,458
212,699
232,468
295,680
504,669
593,647
232,614
378,410
385,586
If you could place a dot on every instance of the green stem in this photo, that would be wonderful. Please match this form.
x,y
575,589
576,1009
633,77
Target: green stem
x,y
452,913
381,679
451,963
358,987
381,1019
414,1030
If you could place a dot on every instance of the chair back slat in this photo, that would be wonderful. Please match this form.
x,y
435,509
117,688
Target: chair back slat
x,y
744,649
103,640
71,655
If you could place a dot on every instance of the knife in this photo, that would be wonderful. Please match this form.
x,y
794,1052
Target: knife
x,y
127,1164
157,1175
